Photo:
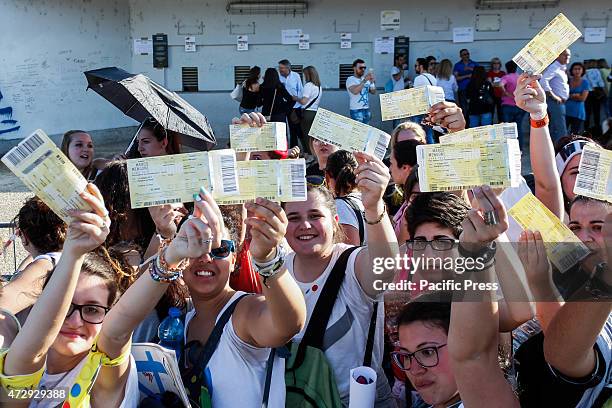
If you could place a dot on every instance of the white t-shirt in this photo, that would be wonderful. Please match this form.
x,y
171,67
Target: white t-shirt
x,y
362,99
65,381
311,91
424,79
236,372
346,215
347,330
450,87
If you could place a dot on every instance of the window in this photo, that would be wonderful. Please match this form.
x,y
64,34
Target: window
x,y
241,73
345,71
190,79
299,69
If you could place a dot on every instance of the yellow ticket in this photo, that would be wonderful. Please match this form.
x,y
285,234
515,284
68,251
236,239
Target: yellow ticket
x,y
563,248
460,166
176,178
46,171
488,133
348,134
595,173
276,180
409,102
546,46
271,136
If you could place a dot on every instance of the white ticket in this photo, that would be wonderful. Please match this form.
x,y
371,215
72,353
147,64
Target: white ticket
x,y
546,46
595,173
409,102
460,166
490,133
176,178
45,170
348,134
276,180
271,136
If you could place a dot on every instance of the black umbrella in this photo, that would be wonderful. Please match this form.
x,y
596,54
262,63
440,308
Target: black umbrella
x,y
140,98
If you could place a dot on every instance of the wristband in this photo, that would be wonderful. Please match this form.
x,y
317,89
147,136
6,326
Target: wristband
x,y
536,124
378,220
486,254
271,268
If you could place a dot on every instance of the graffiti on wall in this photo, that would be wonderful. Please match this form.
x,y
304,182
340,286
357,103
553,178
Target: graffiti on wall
x,y
7,123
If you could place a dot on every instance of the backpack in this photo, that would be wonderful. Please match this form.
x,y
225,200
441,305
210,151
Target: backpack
x,y
348,200
309,378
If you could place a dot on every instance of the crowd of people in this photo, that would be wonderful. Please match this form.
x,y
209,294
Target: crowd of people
x,y
305,277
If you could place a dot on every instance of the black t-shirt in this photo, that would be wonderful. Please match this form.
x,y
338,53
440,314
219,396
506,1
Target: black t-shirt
x,y
250,100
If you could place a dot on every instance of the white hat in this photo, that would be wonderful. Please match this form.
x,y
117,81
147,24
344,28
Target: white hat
x,y
395,71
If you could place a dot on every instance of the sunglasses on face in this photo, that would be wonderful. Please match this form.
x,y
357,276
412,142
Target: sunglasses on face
x,y
93,314
226,248
315,181
361,68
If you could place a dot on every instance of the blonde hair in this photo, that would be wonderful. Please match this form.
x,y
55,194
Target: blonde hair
x,y
496,60
415,127
445,69
311,75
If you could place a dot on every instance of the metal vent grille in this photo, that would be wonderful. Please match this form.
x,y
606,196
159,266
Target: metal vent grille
x,y
345,71
190,79
241,73
299,69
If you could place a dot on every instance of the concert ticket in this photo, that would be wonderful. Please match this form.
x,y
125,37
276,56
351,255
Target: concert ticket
x,y
409,102
490,133
271,136
595,173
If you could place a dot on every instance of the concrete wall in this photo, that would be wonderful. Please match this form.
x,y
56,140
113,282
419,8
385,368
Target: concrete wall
x,y
46,45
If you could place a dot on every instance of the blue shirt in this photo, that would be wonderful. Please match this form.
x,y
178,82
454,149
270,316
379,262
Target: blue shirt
x,y
461,69
293,85
575,109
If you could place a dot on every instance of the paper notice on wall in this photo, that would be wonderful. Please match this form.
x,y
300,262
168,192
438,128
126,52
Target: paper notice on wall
x,y
304,42
190,43
383,45
389,20
143,46
242,43
595,34
463,34
346,40
291,37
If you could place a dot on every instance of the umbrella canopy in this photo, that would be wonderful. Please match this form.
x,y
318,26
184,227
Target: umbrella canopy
x,y
140,98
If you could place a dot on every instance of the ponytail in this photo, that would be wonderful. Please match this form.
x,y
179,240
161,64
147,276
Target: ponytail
x,y
341,166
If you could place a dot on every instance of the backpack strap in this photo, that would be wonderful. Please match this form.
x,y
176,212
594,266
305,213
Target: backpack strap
x,y
367,356
269,366
359,216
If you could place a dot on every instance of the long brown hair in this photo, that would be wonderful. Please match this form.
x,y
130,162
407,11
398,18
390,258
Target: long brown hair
x,y
87,172
311,75
445,69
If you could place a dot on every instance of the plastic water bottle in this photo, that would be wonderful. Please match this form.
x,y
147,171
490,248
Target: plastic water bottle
x,y
170,332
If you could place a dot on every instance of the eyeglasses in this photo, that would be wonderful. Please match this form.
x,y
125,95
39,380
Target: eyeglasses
x,y
426,357
93,314
226,248
315,181
438,244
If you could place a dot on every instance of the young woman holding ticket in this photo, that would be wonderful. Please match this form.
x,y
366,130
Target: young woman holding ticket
x,y
312,232
70,333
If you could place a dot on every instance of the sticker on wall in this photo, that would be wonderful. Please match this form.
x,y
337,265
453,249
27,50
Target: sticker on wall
x,y
291,37
389,20
595,34
383,45
304,42
463,34
242,43
346,40
190,43
143,46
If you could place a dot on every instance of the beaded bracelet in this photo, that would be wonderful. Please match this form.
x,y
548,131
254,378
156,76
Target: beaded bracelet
x,y
158,276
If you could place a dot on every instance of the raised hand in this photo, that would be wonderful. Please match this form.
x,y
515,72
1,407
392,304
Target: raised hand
x,y
530,96
483,225
88,229
448,115
372,179
532,254
166,218
253,119
268,224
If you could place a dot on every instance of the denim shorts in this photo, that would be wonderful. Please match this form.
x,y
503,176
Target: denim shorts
x,y
361,115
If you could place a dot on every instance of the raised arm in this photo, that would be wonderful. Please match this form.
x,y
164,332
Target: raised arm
x,y
530,97
448,115
22,291
87,231
372,179
473,331
273,319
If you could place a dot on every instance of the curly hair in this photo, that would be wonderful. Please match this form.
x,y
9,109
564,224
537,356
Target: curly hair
x,y
341,166
445,209
41,226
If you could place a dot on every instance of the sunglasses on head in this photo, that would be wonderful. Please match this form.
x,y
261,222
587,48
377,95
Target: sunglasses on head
x,y
226,248
315,181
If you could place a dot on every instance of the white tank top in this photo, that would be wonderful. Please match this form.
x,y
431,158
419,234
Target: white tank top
x,y
236,372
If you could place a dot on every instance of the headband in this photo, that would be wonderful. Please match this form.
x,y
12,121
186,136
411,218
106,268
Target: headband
x,y
567,152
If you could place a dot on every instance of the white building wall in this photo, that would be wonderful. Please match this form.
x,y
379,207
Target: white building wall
x,y
48,43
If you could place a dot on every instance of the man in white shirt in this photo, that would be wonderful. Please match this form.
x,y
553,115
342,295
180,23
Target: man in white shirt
x,y
359,87
555,84
293,85
424,77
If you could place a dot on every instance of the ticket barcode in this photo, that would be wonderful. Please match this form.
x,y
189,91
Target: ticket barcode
x,y
570,255
24,149
298,180
381,147
228,174
161,202
588,169
523,64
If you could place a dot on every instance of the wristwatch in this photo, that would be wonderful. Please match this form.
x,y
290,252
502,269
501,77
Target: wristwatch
x,y
269,269
486,254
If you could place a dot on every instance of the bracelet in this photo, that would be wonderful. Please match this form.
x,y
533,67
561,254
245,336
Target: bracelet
x,y
378,220
273,267
536,124
163,266
486,254
159,275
